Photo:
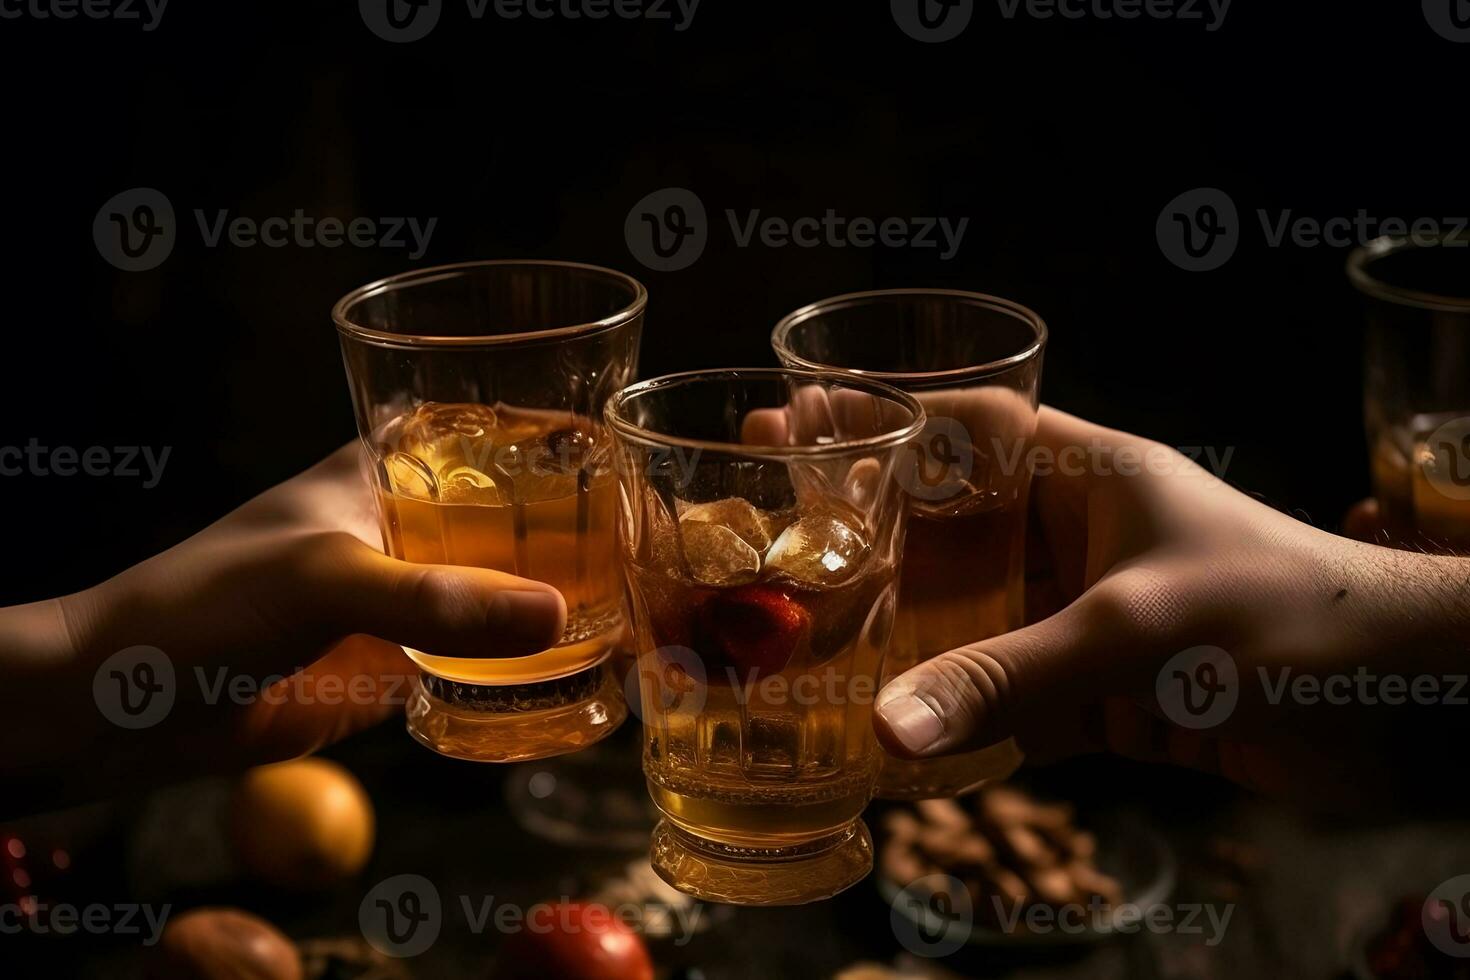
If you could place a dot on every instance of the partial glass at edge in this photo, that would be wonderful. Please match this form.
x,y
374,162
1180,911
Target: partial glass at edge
x,y
974,362
1416,298
479,391
762,524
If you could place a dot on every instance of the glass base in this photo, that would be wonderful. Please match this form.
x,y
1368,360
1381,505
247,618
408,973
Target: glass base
x,y
948,776
515,722
794,875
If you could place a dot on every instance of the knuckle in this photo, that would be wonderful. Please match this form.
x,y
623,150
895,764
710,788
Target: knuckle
x,y
1139,603
305,573
319,552
969,690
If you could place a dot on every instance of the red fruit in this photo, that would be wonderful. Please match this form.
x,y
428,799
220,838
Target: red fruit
x,y
573,941
757,628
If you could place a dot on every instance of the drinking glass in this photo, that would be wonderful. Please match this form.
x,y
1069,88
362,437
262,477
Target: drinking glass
x,y
974,362
1416,296
479,391
761,524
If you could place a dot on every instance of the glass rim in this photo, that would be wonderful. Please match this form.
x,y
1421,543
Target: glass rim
x,y
784,326
633,432
1365,282
347,327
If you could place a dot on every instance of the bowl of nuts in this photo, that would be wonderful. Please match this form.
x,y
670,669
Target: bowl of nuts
x,y
1001,867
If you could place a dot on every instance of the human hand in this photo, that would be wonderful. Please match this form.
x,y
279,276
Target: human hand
x,y
292,586
1141,568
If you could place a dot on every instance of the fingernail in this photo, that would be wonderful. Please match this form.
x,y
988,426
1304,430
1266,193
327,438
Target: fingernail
x,y
531,617
912,722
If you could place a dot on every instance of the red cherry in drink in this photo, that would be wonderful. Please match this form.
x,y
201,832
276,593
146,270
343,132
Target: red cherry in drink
x,y
573,941
757,628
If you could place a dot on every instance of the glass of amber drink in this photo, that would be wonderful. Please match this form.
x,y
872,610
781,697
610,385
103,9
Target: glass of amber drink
x,y
761,528
1416,298
974,362
479,391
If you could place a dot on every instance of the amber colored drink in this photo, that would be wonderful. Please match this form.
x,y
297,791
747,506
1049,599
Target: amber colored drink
x,y
974,362
950,597
512,490
758,682
1422,493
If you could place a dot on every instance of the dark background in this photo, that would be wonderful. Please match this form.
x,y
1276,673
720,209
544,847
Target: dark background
x,y
1061,141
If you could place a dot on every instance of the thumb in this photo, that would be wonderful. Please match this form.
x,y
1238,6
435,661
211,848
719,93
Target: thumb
x,y
345,587
982,693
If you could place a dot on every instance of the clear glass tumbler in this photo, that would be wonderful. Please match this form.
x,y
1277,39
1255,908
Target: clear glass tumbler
x,y
1416,296
479,391
974,362
762,522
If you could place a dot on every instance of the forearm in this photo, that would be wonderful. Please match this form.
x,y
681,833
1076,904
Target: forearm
x,y
1405,610
49,657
